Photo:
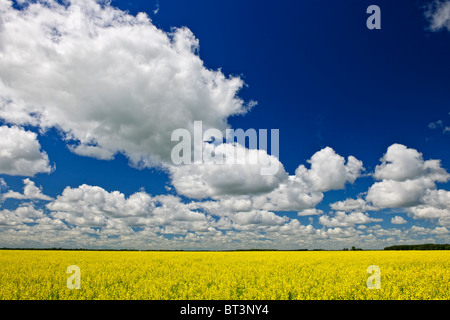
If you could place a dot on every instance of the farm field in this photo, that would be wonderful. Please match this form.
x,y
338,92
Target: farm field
x,y
249,275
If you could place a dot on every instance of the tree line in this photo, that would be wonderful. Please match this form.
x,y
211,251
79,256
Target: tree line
x,y
427,246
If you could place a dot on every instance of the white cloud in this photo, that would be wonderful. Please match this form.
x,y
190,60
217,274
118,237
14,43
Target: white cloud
x,y
107,79
26,213
438,199
258,217
293,195
434,204
398,194
329,171
406,178
438,15
20,153
30,192
243,186
3,184
93,206
398,220
401,163
310,212
436,125
304,190
91,151
444,220
348,205
341,219
439,124
241,177
91,217
428,231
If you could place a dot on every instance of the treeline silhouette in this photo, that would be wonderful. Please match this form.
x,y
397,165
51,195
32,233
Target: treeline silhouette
x,y
427,246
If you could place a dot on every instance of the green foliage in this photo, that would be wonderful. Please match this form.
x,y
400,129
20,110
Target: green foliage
x,y
427,246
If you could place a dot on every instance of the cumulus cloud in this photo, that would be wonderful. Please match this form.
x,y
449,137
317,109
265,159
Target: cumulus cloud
x,y
3,184
348,205
107,79
26,213
398,194
258,217
405,178
400,163
21,154
398,220
438,14
243,188
341,219
407,182
293,195
141,74
310,212
304,190
93,206
241,175
435,204
30,192
329,171
92,217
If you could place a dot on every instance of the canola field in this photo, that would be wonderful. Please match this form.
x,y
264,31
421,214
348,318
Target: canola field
x,y
250,275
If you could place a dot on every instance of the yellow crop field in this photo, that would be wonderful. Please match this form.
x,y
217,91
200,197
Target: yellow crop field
x,y
251,275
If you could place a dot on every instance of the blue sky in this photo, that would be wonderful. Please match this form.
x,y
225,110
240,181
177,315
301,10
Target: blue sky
x,y
90,95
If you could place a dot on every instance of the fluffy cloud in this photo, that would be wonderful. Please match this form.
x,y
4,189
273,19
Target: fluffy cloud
x,y
240,175
241,187
341,219
94,206
398,220
304,190
398,194
310,212
329,171
26,213
90,216
20,153
3,184
258,217
107,79
348,205
293,195
405,178
438,15
30,192
435,204
400,163
407,181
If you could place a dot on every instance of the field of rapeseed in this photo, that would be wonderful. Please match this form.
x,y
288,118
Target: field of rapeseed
x,y
250,275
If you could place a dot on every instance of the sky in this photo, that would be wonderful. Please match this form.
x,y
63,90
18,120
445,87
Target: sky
x,y
94,95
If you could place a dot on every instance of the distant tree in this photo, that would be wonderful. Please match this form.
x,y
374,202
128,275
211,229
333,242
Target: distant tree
x,y
426,246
